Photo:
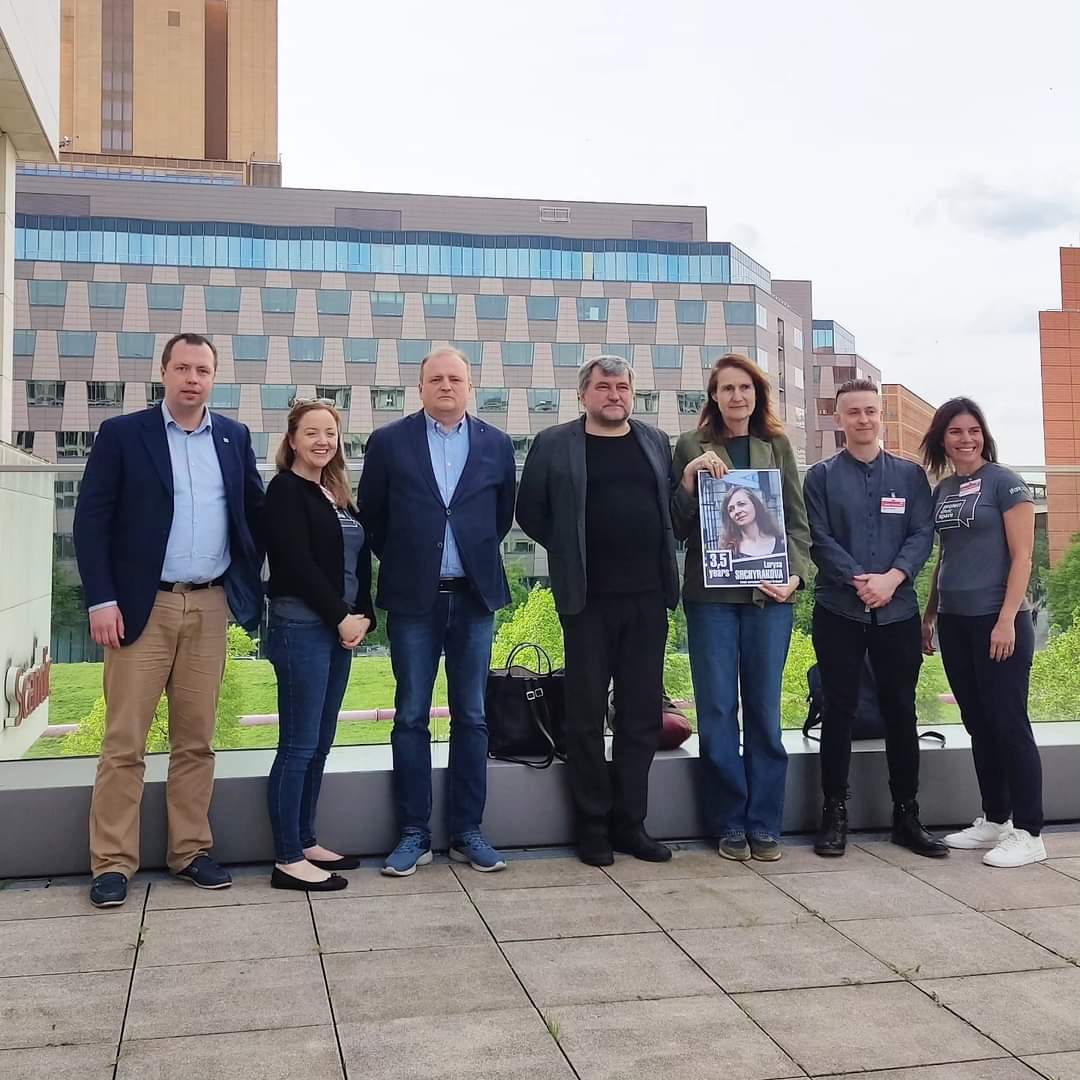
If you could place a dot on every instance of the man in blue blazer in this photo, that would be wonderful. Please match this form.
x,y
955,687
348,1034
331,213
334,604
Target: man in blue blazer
x,y
165,536
437,497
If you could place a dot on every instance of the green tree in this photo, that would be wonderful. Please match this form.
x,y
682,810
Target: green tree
x,y
536,622
68,610
1063,586
519,593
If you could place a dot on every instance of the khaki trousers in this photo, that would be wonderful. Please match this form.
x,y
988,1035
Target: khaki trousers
x,y
181,653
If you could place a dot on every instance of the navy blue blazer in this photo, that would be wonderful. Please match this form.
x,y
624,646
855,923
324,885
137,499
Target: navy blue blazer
x,y
406,518
125,510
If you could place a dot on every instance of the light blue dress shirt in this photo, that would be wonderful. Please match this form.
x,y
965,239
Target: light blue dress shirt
x,y
198,547
449,448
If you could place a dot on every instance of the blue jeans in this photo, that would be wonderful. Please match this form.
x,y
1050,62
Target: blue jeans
x,y
460,626
312,672
740,650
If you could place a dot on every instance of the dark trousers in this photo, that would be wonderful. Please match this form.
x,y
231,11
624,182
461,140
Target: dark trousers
x,y
620,637
993,695
895,652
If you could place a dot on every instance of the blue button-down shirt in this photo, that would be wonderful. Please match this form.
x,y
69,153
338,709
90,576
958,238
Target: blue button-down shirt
x,y
198,547
868,518
449,449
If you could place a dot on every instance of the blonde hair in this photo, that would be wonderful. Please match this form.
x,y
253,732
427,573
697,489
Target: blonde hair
x,y
335,473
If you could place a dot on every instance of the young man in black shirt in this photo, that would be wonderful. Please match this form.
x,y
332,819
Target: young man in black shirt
x,y
595,494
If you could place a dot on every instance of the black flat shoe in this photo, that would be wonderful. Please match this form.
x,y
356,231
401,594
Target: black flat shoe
x,y
346,862
280,880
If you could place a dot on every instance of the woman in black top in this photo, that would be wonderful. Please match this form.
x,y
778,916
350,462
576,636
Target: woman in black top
x,y
320,610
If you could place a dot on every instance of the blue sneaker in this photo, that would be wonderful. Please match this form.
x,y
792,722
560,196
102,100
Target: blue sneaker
x,y
471,847
413,850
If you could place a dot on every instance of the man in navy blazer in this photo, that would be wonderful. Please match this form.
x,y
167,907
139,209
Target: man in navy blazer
x,y
166,540
437,497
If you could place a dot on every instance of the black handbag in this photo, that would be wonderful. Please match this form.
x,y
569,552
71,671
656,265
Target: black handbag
x,y
524,711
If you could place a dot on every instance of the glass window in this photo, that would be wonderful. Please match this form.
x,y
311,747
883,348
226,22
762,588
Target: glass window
x,y
361,350
762,356
306,350
591,309
277,396
711,353
134,346
66,492
641,311
260,444
412,351
797,376
490,307
107,294
73,444
76,342
796,336
472,349
667,356
517,353
761,314
800,416
221,297
387,303
24,343
250,346
522,444
24,440
225,396
691,402
388,398
44,393
823,339
353,446
492,399
566,354
341,396
278,300
542,308
690,311
621,349
155,393
333,301
647,401
440,305
740,312
543,401
105,394
165,297
48,293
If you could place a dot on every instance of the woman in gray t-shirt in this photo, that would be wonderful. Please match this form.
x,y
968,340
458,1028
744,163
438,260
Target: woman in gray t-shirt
x,y
985,520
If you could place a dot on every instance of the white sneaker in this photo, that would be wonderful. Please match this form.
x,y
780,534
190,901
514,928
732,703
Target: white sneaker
x,y
979,834
1017,848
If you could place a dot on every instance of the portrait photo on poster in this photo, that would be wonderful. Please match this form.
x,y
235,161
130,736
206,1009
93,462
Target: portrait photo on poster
x,y
743,541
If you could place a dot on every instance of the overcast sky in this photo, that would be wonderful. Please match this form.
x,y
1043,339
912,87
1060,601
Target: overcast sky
x,y
920,162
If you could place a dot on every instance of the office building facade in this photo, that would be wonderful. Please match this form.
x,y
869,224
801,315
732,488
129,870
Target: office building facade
x,y
907,418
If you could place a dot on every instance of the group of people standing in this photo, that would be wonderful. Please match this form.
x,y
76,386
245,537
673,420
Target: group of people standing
x,y
172,523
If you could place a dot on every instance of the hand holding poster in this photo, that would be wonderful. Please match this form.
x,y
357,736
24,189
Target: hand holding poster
x,y
743,540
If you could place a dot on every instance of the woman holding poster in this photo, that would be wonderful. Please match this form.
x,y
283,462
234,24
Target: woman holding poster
x,y
748,548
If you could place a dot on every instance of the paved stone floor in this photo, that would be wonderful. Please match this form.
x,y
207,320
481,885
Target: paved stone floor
x,y
879,964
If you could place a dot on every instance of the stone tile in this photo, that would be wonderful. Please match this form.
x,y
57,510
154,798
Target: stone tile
x,y
690,903
1052,1066
683,864
1056,928
245,995
851,1028
507,1045
1070,866
59,1062
61,1010
988,889
673,1039
390,985
284,1054
781,957
879,892
996,1069
942,946
368,881
1062,845
896,855
62,900
68,944
254,932
399,922
1027,1012
800,859
626,967
532,874
569,911
246,889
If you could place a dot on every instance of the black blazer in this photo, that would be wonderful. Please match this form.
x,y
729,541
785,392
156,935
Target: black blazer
x,y
402,506
551,506
307,553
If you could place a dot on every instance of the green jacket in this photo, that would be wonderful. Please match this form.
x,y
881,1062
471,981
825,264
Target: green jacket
x,y
764,454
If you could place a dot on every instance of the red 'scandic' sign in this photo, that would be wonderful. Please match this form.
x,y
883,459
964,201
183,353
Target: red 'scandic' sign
x,y
26,688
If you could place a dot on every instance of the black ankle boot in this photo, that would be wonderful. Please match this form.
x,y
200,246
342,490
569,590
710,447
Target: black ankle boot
x,y
908,831
831,838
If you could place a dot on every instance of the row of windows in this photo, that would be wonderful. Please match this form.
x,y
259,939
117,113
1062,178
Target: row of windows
x,y
271,247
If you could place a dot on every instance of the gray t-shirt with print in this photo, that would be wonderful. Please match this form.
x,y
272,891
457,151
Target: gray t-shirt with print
x,y
975,557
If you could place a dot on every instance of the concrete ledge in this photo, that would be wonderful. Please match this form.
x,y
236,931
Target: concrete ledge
x,y
44,804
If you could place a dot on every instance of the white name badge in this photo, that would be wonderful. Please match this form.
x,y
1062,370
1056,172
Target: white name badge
x,y
893,505
971,487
